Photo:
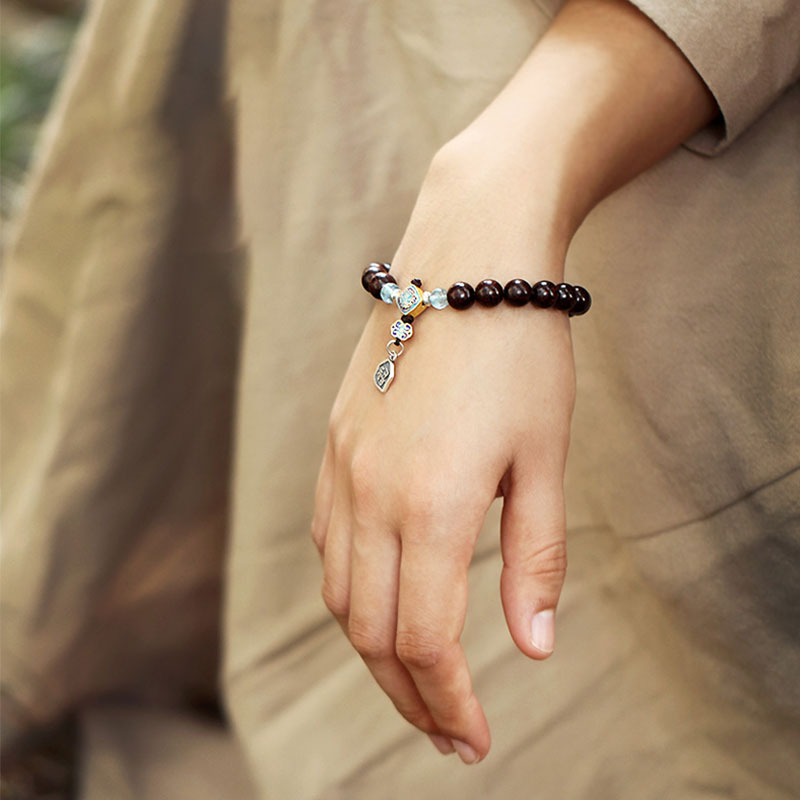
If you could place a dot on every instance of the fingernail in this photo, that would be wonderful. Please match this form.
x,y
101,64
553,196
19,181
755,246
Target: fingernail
x,y
441,743
465,752
543,631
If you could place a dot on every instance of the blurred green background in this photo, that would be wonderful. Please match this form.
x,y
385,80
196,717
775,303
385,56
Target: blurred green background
x,y
35,38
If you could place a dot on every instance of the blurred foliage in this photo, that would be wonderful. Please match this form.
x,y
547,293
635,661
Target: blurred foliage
x,y
33,50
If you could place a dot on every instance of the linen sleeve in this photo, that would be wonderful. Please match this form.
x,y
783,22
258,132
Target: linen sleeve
x,y
747,53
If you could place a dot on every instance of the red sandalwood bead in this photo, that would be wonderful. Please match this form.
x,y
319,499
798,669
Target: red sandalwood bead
x,y
517,292
583,302
565,297
543,294
489,293
377,281
461,295
369,272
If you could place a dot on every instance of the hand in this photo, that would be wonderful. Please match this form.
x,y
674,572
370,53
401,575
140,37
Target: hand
x,y
482,400
480,407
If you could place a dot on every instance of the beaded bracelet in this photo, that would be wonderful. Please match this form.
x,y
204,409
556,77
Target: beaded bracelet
x,y
412,301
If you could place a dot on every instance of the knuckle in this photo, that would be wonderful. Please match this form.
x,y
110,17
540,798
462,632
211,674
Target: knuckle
x,y
337,415
334,422
340,445
416,515
363,472
432,494
548,561
424,481
369,641
421,504
422,513
317,534
336,600
341,435
418,650
416,714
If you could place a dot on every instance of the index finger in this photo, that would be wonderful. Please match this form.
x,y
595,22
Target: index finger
x,y
432,607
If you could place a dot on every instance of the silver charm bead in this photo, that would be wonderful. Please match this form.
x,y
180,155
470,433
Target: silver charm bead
x,y
387,294
438,298
426,298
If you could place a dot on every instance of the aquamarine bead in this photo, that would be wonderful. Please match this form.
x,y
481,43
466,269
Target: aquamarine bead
x,y
388,293
438,298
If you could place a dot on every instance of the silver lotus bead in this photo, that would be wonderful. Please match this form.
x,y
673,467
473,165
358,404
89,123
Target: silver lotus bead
x,y
438,298
386,292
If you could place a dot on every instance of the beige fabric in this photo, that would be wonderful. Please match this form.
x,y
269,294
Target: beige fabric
x,y
747,54
130,753
166,384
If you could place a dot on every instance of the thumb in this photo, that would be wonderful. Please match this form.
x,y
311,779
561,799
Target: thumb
x,y
534,547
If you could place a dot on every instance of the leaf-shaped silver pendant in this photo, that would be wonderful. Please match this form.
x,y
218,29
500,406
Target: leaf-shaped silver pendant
x,y
384,374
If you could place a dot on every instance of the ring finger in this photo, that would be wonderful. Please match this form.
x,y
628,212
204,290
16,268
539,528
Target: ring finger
x,y
372,626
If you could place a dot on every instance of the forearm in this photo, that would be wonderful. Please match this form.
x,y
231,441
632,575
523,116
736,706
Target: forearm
x,y
604,95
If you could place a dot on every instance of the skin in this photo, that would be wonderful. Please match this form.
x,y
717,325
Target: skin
x,y
482,400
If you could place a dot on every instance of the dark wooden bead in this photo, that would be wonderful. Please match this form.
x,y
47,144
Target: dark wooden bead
x,y
543,294
583,302
517,292
377,281
489,293
565,297
461,295
407,318
371,270
417,282
397,341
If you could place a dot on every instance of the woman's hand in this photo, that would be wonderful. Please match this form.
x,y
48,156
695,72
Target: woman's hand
x,y
482,400
480,406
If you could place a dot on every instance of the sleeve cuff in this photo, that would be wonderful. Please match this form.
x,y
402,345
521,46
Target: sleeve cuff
x,y
746,53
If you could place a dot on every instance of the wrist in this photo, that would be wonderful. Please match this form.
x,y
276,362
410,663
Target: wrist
x,y
478,217
529,173
534,144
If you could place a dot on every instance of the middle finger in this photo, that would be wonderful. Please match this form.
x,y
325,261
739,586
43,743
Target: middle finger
x,y
372,626
432,605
